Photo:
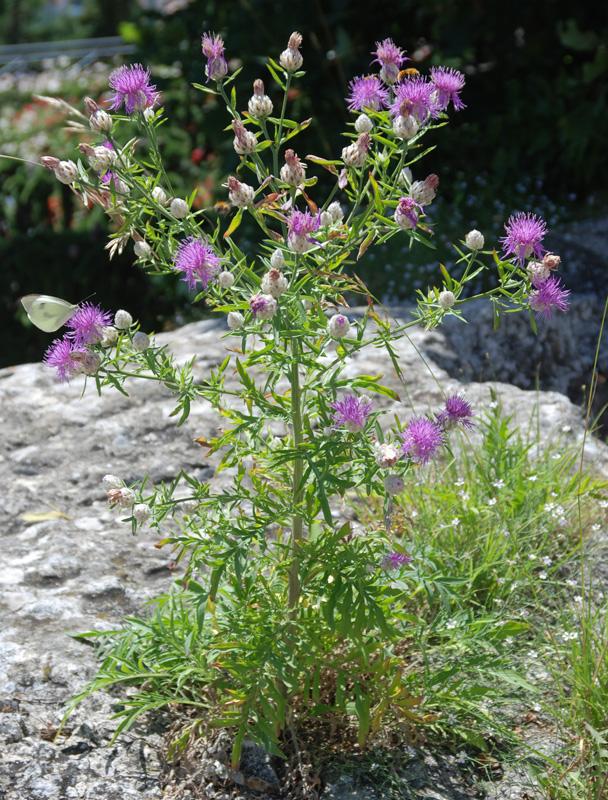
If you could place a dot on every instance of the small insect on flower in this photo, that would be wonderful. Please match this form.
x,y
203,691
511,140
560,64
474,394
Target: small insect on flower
x,y
196,260
422,439
549,296
351,412
449,83
367,91
457,411
87,323
524,236
132,88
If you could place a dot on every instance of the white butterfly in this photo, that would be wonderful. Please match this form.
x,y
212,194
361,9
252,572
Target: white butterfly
x,y
46,312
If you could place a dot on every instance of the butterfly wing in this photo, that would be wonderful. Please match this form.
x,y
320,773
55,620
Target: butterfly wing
x,y
46,312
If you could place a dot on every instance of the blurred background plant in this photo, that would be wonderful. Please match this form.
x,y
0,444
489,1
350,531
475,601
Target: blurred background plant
x,y
530,138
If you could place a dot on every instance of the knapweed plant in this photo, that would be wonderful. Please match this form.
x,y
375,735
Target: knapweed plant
x,y
286,609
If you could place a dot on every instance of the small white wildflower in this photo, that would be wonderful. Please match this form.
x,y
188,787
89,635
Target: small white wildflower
x,y
532,478
492,501
141,341
543,575
547,561
122,319
451,624
474,240
179,208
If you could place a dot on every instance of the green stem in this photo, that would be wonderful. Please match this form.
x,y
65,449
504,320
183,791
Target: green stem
x,y
297,528
279,133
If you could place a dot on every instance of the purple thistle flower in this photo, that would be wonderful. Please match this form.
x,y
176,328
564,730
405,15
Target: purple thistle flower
x,y
524,234
66,357
197,261
303,223
395,560
367,91
550,295
213,50
87,323
351,412
415,96
390,57
449,83
131,84
421,439
456,411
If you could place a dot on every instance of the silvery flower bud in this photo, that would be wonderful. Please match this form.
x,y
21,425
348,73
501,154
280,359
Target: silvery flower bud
x,y
141,341
225,279
66,172
160,196
355,155
244,141
240,194
263,306
277,259
394,484
274,283
446,299
109,336
338,326
141,512
474,240
179,208
335,211
363,124
122,319
293,171
235,320
90,362
537,272
142,249
405,127
101,158
260,105
387,454
325,219
551,261
112,482
291,58
50,162
424,192
100,121
122,497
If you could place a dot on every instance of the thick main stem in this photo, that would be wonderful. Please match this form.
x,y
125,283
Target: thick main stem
x,y
297,526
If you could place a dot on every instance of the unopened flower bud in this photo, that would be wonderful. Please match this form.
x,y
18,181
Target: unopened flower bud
x,y
260,105
394,484
406,213
235,320
446,299
293,171
240,194
90,362
122,319
387,454
537,272
474,240
338,326
225,279
551,261
277,259
244,141
291,58
142,249
122,497
335,211
109,336
263,306
405,127
141,512
274,283
363,124
159,195
355,154
100,121
141,341
179,208
50,162
100,158
325,219
66,172
90,106
149,113
424,191
112,482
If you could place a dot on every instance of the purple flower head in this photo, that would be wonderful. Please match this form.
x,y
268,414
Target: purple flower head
x,y
415,96
407,212
132,87
367,92
524,234
390,57
421,439
351,412
66,357
395,560
457,411
549,296
197,261
449,83
213,50
87,323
